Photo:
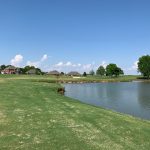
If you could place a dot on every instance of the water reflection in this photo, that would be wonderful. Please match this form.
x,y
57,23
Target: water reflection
x,y
131,98
144,94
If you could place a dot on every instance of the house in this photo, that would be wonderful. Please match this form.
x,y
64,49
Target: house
x,y
9,70
74,73
31,72
54,72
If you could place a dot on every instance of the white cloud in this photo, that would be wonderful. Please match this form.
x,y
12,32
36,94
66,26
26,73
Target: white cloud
x,y
45,57
133,69
38,63
17,60
104,64
87,66
69,66
59,64
35,64
135,65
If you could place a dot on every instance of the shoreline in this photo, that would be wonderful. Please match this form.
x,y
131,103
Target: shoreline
x,y
103,81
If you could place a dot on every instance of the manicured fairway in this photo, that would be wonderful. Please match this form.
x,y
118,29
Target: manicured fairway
x,y
34,116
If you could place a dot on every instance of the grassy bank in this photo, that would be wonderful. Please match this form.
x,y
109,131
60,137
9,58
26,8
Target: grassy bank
x,y
60,79
34,116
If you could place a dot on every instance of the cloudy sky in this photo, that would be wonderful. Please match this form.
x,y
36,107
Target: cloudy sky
x,y
74,34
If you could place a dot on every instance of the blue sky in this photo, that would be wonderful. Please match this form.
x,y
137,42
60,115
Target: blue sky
x,y
74,34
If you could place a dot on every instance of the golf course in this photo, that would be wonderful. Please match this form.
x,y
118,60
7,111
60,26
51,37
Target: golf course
x,y
33,115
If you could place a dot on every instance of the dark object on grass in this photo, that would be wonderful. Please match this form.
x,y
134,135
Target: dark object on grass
x,y
61,91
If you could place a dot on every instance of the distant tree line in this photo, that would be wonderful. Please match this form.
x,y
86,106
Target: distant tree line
x,y
28,68
113,70
24,70
110,70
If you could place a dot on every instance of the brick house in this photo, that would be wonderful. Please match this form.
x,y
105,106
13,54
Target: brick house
x,y
9,70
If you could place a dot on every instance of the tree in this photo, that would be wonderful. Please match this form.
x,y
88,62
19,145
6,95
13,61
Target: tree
x,y
27,68
2,67
118,71
100,71
144,66
113,70
84,74
62,73
92,72
38,71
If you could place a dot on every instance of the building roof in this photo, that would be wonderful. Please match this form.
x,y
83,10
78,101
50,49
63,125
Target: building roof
x,y
74,73
10,67
54,72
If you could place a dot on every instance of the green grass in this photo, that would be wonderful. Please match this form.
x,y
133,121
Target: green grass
x,y
34,116
48,78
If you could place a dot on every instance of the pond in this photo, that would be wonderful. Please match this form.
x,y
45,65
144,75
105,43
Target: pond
x,y
126,97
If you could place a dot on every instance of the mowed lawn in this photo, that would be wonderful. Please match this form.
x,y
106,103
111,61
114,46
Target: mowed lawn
x,y
34,116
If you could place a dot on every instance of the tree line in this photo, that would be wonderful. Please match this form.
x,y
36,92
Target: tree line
x,y
110,70
25,69
143,67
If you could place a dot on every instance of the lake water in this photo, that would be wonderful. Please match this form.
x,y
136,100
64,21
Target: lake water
x,y
127,97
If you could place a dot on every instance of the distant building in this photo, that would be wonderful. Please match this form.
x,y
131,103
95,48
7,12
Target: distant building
x,y
74,73
31,72
10,70
54,72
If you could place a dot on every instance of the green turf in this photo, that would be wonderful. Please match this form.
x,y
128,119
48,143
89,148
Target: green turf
x,y
34,116
71,79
